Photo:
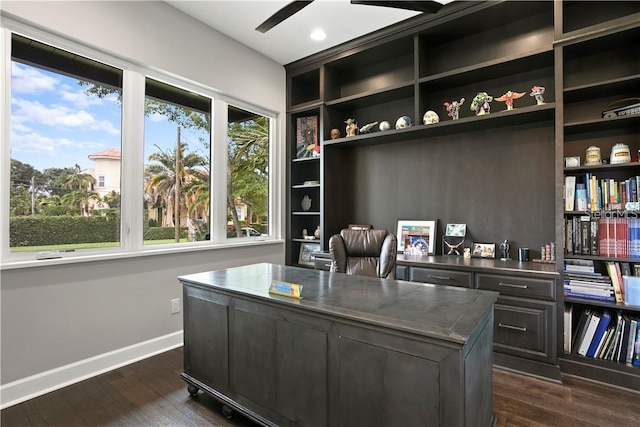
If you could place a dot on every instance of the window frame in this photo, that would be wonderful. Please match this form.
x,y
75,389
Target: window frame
x,y
132,166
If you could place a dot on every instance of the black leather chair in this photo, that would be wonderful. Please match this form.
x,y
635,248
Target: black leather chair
x,y
364,252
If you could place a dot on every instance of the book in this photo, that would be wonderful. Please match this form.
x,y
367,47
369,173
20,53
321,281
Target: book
x,y
568,320
613,273
578,295
590,331
607,340
626,330
635,361
580,330
598,335
570,192
632,340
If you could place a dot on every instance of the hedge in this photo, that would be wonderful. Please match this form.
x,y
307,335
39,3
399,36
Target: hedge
x,y
37,230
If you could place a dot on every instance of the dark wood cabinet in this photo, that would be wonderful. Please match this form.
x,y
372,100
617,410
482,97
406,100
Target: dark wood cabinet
x,y
406,355
600,64
501,173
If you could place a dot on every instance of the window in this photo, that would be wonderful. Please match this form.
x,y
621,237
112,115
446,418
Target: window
x,y
65,127
177,164
96,143
248,137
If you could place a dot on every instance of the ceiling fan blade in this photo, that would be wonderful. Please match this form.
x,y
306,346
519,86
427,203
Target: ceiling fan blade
x,y
282,14
420,6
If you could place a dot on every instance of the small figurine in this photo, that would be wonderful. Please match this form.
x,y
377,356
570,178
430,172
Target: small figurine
x,y
505,247
537,92
352,127
366,128
335,133
467,253
480,103
384,125
453,109
403,122
508,98
430,117
316,233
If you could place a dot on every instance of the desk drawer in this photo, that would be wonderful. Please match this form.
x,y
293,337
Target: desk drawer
x,y
524,328
518,286
441,277
322,264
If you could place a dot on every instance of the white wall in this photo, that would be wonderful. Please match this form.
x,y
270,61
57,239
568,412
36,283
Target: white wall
x,y
56,318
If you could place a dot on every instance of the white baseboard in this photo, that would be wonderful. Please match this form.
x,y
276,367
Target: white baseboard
x,y
36,385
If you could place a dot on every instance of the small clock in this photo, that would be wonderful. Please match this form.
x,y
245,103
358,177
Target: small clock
x,y
572,162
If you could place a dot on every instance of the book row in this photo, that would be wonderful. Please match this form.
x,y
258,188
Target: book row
x,y
591,193
619,284
602,334
610,237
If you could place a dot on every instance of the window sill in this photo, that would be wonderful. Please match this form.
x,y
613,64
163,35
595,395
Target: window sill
x,y
31,263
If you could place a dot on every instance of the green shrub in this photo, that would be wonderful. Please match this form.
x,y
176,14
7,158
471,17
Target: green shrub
x,y
37,230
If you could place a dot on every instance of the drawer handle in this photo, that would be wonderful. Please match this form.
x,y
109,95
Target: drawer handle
x,y
517,328
439,277
510,285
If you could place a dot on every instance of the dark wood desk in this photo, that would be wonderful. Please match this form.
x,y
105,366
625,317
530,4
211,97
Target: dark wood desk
x,y
353,351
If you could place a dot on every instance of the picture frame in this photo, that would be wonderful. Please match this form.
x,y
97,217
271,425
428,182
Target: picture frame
x,y
483,250
416,237
454,238
307,137
307,253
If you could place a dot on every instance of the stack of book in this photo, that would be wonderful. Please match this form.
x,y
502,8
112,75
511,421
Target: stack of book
x,y
582,281
601,334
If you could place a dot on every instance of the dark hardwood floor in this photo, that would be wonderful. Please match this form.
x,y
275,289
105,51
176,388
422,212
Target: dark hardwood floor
x,y
151,393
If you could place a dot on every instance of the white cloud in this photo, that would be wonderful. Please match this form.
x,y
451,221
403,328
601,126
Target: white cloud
x,y
156,117
39,144
58,116
78,97
30,80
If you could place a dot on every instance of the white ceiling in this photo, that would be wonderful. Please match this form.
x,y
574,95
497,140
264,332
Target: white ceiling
x,y
290,40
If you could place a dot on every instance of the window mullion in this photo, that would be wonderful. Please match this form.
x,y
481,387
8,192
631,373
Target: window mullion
x,y
219,171
132,186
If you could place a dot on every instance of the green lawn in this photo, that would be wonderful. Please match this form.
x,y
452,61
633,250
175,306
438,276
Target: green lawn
x,y
88,246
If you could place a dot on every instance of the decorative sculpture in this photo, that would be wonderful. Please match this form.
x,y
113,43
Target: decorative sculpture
x,y
430,117
352,127
335,133
366,128
403,122
480,104
508,98
537,92
384,125
453,108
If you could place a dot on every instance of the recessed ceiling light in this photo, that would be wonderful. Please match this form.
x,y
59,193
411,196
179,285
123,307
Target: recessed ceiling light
x,y
318,34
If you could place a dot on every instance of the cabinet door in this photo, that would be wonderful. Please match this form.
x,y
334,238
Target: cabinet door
x,y
205,348
525,328
441,277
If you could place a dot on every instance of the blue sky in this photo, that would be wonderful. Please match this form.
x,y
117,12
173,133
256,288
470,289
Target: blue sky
x,y
54,124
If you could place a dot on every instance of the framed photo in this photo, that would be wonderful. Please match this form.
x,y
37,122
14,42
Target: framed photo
x,y
307,253
483,250
307,137
416,237
454,239
456,230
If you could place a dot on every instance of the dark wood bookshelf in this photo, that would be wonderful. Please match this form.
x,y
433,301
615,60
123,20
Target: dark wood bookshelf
x,y
484,171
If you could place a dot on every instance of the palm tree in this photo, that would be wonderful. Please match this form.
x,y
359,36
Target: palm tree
x,y
248,166
162,179
82,185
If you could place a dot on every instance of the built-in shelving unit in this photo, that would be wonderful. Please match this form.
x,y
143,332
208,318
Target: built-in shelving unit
x,y
502,174
600,59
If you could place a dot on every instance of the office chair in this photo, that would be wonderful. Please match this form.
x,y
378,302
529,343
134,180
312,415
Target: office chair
x,y
364,252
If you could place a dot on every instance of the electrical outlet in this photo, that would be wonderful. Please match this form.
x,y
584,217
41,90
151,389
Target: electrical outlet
x,y
175,305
